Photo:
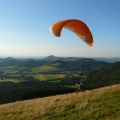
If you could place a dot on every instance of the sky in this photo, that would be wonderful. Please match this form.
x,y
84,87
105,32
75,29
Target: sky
x,y
24,28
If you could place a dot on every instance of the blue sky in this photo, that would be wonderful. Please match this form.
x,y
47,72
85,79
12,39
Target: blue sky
x,y
24,27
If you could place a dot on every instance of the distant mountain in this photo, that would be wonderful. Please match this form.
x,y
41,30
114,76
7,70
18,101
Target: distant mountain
x,y
51,57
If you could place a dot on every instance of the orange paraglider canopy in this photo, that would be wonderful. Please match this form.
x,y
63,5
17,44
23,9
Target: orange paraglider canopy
x,y
76,26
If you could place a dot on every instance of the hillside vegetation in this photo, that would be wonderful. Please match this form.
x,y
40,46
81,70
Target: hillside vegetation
x,y
105,76
97,104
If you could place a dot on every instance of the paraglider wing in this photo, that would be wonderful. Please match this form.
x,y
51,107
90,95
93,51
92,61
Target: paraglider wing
x,y
76,26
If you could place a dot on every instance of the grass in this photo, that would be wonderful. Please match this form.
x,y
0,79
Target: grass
x,y
98,104
44,68
53,77
10,80
13,71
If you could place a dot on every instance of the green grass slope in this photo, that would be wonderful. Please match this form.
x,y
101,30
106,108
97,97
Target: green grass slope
x,y
97,104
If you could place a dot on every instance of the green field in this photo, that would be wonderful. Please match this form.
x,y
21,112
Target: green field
x,y
54,77
10,80
44,68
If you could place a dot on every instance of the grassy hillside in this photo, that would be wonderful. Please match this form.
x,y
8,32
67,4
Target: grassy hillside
x,y
97,104
44,68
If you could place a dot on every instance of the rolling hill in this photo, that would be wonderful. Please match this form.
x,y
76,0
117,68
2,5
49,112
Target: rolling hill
x,y
70,63
97,104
